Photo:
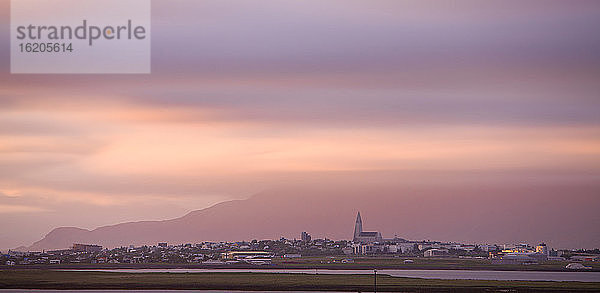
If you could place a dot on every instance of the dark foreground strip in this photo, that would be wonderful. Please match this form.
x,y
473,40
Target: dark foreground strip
x,y
46,279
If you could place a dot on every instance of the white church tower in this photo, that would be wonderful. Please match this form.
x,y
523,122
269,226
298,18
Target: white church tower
x,y
361,236
357,228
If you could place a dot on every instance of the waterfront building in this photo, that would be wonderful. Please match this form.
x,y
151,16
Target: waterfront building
x,y
542,248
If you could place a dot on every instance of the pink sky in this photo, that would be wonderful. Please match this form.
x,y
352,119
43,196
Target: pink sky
x,y
247,96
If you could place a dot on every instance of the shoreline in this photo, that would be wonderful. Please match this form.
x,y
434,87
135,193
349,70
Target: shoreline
x,y
531,268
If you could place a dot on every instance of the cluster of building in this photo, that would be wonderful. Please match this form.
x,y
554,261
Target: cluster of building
x,y
524,253
372,243
211,253
364,243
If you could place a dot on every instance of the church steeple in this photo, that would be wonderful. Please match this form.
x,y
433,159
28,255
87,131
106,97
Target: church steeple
x,y
357,227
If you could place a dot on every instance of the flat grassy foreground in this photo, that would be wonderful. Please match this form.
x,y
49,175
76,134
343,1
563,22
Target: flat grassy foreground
x,y
335,263
46,279
420,263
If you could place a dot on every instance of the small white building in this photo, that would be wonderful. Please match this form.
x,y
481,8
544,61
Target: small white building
x,y
406,247
518,258
434,252
577,266
487,247
392,248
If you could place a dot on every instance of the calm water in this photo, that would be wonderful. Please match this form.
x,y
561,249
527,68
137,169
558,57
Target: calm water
x,y
425,274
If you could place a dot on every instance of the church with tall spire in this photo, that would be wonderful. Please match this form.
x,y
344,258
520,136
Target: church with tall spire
x,y
361,236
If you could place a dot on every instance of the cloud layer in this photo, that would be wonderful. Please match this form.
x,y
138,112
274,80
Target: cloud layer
x,y
245,97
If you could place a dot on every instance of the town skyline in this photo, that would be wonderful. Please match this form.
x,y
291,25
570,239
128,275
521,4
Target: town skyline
x,y
230,230
263,251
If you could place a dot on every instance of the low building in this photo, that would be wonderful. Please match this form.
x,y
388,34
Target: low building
x,y
517,258
518,248
542,248
348,250
392,248
77,247
434,252
245,254
487,247
586,257
213,262
577,266
406,247
369,248
258,261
